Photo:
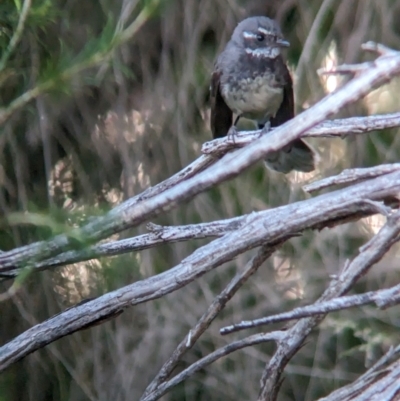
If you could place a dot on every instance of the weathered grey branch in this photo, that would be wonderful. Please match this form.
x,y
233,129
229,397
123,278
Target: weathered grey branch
x,y
267,227
214,356
380,382
382,298
370,253
204,322
134,213
351,176
158,235
332,128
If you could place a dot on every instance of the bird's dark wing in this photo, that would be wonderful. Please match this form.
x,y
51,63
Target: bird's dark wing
x,y
297,155
221,114
286,110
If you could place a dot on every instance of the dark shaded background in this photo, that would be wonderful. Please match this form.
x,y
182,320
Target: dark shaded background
x,y
114,129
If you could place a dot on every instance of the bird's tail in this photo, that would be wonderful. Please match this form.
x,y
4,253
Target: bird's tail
x,y
295,156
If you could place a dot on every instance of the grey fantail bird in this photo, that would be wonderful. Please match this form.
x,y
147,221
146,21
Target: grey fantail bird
x,y
251,80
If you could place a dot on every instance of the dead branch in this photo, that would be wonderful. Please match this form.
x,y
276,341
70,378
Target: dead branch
x,y
369,254
158,235
214,356
382,298
268,227
380,382
351,176
330,129
204,322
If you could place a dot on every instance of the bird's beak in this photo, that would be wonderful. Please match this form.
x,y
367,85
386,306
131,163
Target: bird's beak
x,y
282,43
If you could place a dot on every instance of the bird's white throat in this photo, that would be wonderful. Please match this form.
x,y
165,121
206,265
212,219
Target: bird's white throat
x,y
264,52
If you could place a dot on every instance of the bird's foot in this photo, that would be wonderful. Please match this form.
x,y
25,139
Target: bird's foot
x,y
265,129
232,134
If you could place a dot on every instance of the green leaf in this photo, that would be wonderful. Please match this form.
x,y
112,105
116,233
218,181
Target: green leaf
x,y
17,5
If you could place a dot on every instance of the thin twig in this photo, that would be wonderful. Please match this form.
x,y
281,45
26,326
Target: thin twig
x,y
371,253
382,50
380,382
380,297
351,176
158,235
332,128
204,322
214,356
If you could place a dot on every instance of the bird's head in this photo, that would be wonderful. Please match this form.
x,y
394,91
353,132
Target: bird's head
x,y
260,37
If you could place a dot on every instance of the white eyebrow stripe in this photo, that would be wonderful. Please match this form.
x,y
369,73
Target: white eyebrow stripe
x,y
249,35
264,31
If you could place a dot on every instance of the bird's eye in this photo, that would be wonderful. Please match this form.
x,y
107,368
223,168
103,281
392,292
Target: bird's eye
x,y
260,37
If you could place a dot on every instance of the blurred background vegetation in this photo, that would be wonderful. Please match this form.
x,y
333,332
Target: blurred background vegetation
x,y
101,99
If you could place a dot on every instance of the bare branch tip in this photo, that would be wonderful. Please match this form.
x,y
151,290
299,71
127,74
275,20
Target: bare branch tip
x,y
394,217
382,50
226,330
380,207
370,46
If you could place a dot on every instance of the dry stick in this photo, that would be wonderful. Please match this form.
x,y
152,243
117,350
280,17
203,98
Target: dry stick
x,y
385,388
158,235
204,322
351,176
372,385
382,298
370,254
389,383
332,128
228,167
262,228
214,356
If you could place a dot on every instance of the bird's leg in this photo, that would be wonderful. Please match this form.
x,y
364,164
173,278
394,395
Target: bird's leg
x,y
265,128
233,132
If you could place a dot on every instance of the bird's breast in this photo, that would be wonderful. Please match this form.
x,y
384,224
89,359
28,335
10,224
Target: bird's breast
x,y
256,98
